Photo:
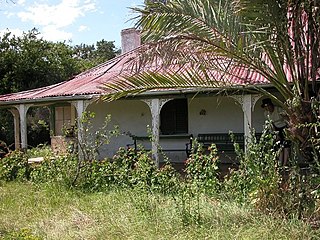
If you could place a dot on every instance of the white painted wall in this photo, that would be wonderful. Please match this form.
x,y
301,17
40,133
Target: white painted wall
x,y
130,115
222,115
258,118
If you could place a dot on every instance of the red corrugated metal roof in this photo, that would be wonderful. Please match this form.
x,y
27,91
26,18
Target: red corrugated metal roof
x,y
89,82
86,83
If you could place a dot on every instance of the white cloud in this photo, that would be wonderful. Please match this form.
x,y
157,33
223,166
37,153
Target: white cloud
x,y
60,15
21,2
54,34
8,14
83,28
54,18
16,31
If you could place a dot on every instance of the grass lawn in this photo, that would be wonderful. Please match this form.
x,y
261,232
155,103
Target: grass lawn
x,y
53,213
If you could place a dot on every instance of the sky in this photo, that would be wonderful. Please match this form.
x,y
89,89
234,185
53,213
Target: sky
x,y
73,21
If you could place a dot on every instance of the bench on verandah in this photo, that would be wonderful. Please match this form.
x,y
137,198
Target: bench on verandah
x,y
223,141
143,139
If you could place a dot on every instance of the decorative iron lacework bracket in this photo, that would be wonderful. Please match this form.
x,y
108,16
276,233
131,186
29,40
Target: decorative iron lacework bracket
x,y
81,104
162,102
241,99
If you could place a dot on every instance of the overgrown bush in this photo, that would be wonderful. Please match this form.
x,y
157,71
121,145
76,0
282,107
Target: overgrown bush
x,y
89,141
202,168
286,190
41,150
258,178
60,169
97,175
138,170
167,180
14,166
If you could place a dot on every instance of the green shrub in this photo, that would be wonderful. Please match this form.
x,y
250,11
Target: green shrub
x,y
60,169
40,151
257,180
202,168
260,181
167,180
123,164
96,176
144,171
14,166
138,170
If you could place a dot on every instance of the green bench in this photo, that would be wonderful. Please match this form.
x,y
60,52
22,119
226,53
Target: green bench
x,y
223,141
145,139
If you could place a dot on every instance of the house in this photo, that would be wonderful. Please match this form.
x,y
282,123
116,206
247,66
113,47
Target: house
x,y
172,115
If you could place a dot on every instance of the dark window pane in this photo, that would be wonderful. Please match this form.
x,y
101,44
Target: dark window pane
x,y
174,117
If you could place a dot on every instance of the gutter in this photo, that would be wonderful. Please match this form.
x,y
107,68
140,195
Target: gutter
x,y
48,100
200,90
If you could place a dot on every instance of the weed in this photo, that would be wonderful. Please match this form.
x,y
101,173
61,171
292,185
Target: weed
x,y
202,168
14,166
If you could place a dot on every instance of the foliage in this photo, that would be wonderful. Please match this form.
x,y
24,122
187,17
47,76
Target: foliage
x,y
92,55
126,169
89,140
130,164
167,180
290,191
21,234
55,170
96,176
138,170
14,166
29,57
257,179
40,151
202,168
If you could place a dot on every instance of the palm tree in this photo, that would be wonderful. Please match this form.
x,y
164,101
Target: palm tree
x,y
205,43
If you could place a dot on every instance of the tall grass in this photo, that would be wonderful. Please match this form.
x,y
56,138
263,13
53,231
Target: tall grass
x,y
51,212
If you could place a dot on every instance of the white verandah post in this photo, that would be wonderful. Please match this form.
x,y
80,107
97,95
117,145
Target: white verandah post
x,y
81,106
23,109
247,103
155,106
16,122
247,116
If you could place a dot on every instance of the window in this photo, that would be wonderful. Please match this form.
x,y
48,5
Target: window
x,y
174,117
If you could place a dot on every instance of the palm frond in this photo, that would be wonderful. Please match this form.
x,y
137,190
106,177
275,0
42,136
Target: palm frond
x,y
202,39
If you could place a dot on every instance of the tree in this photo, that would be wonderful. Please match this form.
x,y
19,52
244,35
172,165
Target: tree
x,y
28,62
92,55
105,50
211,42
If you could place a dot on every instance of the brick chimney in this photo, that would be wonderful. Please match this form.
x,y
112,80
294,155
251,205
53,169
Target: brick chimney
x,y
130,39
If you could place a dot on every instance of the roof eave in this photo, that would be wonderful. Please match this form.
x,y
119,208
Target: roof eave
x,y
194,90
50,100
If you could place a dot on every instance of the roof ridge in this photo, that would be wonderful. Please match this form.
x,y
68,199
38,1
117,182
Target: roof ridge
x,y
108,62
